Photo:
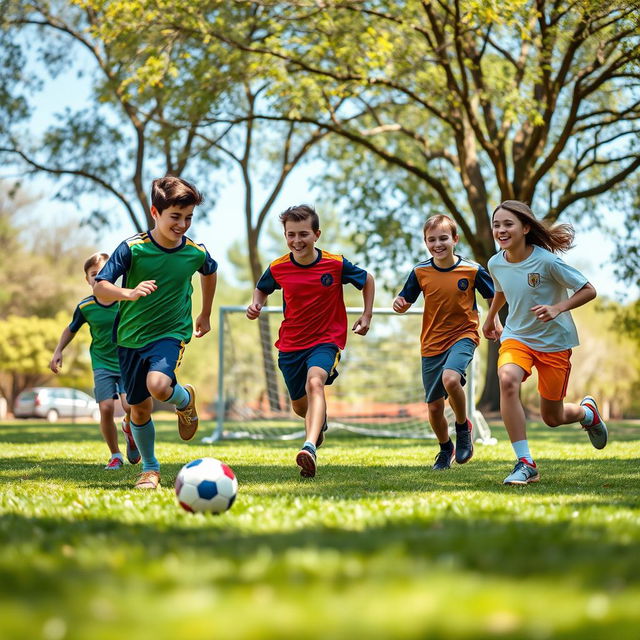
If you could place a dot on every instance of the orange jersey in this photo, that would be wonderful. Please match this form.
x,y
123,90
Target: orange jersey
x,y
450,310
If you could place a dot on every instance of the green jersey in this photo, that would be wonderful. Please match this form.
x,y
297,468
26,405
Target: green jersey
x,y
165,313
100,318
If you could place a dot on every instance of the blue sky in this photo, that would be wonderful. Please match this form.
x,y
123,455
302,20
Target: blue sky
x,y
592,254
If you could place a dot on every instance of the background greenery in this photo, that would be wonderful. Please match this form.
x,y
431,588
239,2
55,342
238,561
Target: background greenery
x,y
377,544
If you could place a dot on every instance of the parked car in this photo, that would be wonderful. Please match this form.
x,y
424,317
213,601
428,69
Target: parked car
x,y
53,403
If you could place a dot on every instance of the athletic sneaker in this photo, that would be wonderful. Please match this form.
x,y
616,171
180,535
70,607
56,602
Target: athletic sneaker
x,y
133,455
597,430
320,439
523,473
148,480
306,460
444,459
188,417
464,444
114,464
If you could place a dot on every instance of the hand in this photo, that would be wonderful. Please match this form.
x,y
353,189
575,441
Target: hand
x,y
492,329
545,312
400,305
362,324
253,310
143,289
203,326
56,362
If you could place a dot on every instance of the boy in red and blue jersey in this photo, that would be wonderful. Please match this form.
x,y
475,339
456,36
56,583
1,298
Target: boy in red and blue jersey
x,y
314,329
154,320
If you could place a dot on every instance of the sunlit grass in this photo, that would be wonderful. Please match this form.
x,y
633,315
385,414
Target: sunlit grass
x,y
376,545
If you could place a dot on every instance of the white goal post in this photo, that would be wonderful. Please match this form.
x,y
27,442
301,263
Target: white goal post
x,y
378,391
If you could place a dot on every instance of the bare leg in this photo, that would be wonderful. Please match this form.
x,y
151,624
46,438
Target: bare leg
x,y
511,376
437,420
317,405
452,382
141,413
555,412
159,385
107,425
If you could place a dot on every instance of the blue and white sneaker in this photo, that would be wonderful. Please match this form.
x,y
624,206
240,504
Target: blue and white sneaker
x,y
523,473
597,430
306,460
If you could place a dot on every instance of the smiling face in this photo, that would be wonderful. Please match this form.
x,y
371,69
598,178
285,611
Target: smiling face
x,y
301,240
441,242
508,231
171,224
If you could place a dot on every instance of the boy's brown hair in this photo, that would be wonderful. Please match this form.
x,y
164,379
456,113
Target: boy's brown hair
x,y
559,237
94,261
172,191
440,220
300,213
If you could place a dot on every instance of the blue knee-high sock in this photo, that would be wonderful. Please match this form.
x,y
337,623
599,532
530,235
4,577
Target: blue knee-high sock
x,y
521,449
145,437
180,397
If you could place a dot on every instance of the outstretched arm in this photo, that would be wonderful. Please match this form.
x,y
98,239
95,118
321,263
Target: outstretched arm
x,y
56,360
259,299
362,324
546,312
203,321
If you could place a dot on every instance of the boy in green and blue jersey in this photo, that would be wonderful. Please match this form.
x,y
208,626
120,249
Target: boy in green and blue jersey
x,y
108,385
154,321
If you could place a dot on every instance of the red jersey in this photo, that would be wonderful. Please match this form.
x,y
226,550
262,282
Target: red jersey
x,y
313,302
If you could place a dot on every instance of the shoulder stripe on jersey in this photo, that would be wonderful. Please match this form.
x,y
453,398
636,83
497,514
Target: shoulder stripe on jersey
x,y
86,303
471,263
139,238
280,260
191,243
424,264
331,256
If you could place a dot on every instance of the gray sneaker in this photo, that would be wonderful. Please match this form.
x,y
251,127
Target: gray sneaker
x,y
597,430
523,473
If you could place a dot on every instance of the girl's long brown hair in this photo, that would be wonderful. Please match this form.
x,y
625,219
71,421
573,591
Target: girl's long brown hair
x,y
559,237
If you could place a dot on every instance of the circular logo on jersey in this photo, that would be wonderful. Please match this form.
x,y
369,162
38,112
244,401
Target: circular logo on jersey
x,y
463,284
326,279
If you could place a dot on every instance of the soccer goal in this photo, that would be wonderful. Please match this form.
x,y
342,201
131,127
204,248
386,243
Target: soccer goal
x,y
378,391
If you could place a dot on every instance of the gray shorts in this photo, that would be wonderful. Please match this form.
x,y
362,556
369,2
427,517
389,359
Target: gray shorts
x,y
108,384
457,358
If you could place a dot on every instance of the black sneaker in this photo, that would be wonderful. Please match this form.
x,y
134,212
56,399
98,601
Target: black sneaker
x,y
320,439
444,460
306,460
464,444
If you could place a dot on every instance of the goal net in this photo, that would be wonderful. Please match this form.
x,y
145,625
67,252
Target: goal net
x,y
378,391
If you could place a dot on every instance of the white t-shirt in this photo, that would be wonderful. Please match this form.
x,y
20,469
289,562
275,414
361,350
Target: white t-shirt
x,y
543,278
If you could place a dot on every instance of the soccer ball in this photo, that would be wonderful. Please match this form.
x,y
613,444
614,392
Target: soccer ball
x,y
206,485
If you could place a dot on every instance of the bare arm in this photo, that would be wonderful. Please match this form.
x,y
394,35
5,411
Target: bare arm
x,y
492,327
208,286
56,360
109,292
546,312
362,324
400,305
258,301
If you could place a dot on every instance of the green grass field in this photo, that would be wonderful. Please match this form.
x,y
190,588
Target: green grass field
x,y
377,545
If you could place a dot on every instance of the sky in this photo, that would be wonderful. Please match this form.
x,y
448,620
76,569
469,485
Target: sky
x,y
592,254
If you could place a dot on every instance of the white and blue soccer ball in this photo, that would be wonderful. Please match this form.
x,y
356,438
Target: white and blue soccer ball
x,y
206,485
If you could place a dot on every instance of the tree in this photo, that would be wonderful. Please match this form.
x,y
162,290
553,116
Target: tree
x,y
455,106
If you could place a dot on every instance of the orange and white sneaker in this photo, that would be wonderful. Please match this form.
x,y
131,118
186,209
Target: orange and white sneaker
x,y
114,464
188,417
148,480
133,455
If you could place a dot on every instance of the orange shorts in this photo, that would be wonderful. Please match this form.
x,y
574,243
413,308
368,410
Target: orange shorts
x,y
553,368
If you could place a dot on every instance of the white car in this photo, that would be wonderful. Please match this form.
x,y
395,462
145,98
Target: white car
x,y
54,403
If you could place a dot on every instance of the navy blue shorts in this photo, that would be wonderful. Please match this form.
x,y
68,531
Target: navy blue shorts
x,y
295,365
457,358
163,355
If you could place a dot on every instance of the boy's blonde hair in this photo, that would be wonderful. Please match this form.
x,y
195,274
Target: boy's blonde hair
x,y
94,261
440,220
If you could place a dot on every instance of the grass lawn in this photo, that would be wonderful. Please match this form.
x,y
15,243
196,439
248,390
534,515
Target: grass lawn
x,y
377,546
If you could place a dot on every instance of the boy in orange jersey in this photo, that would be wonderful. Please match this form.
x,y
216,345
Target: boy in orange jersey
x,y
449,331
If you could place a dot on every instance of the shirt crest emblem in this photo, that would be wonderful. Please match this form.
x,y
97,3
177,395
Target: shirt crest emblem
x,y
326,279
533,279
463,284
